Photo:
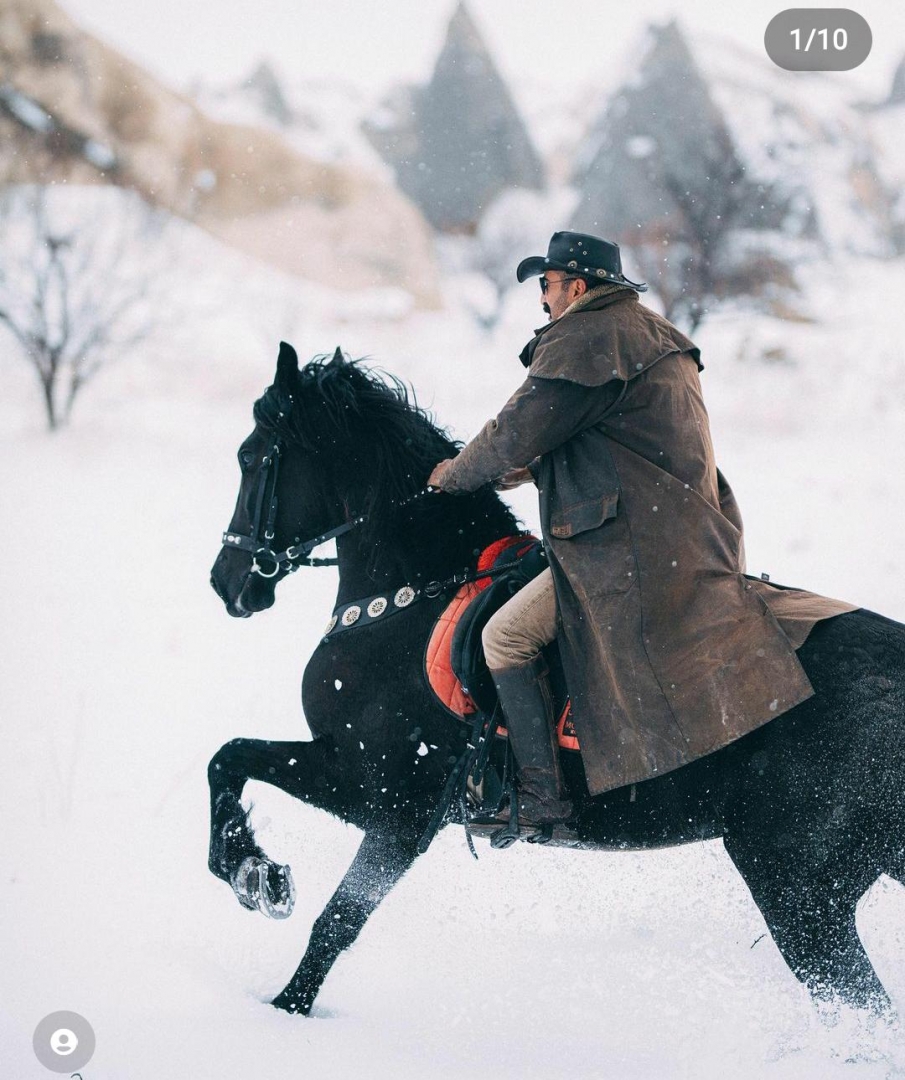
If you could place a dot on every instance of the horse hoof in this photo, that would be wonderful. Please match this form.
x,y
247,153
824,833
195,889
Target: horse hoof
x,y
291,1004
265,886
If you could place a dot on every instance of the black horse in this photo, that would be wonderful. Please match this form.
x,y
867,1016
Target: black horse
x,y
810,807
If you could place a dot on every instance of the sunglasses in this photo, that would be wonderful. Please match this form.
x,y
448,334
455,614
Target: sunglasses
x,y
545,283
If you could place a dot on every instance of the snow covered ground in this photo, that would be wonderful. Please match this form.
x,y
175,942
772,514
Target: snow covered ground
x,y
122,675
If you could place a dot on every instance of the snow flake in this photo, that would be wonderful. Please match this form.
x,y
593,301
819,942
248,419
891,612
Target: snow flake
x,y
640,146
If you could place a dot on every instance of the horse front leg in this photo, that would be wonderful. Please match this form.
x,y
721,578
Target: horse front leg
x,y
380,862
234,855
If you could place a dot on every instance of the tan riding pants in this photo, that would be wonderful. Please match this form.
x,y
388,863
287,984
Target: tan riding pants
x,y
522,626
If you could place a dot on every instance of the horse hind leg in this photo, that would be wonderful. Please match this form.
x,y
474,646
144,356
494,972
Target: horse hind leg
x,y
812,922
820,943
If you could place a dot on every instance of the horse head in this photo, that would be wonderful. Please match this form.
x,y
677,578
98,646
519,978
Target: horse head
x,y
281,503
334,447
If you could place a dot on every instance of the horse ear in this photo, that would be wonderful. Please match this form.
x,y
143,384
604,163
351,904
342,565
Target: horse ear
x,y
337,357
287,366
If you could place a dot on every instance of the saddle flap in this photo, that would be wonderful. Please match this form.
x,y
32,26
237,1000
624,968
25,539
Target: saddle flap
x,y
467,648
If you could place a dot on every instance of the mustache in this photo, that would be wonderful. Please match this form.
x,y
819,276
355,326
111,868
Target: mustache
x,y
546,309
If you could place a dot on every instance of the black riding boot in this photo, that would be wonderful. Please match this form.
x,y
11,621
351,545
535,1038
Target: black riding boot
x,y
527,703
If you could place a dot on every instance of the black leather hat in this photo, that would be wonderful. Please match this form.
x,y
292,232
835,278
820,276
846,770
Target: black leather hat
x,y
579,253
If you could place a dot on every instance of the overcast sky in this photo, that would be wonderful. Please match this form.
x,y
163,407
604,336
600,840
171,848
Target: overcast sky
x,y
379,42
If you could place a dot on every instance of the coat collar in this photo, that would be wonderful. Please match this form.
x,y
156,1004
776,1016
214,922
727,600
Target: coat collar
x,y
593,300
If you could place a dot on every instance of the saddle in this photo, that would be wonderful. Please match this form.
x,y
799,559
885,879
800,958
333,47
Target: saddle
x,y
455,665
466,648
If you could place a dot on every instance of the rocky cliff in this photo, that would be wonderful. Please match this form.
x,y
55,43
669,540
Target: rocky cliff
x,y
72,109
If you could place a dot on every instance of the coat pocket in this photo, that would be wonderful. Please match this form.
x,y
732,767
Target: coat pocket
x,y
581,517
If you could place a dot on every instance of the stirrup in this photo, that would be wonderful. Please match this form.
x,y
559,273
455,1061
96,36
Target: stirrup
x,y
544,834
508,834
251,884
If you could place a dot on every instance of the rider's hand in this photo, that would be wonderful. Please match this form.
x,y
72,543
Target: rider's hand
x,y
513,479
435,480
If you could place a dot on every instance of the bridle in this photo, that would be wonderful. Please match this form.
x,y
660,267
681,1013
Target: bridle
x,y
264,560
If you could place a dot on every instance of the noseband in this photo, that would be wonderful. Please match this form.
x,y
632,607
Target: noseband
x,y
264,560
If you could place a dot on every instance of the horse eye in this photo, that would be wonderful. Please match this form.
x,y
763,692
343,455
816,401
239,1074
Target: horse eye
x,y
246,457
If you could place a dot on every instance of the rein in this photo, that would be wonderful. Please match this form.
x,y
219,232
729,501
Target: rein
x,y
264,560
267,563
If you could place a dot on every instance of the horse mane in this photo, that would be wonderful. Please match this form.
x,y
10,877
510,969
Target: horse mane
x,y
372,438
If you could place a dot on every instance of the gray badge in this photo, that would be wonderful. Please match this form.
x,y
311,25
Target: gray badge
x,y
818,39
64,1042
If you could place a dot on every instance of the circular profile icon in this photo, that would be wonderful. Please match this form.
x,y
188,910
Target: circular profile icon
x,y
64,1042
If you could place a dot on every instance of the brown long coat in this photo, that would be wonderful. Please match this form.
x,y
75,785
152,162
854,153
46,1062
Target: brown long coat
x,y
670,652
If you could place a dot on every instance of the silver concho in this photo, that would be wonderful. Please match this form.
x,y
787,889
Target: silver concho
x,y
600,273
404,596
572,264
377,607
351,615
330,625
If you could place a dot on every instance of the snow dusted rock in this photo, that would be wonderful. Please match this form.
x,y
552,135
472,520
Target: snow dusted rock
x,y
459,141
319,117
265,86
897,91
73,109
744,170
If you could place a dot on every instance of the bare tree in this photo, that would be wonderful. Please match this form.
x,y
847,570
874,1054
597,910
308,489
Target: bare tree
x,y
82,276
517,223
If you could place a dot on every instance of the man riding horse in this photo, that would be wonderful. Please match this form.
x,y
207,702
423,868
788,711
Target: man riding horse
x,y
669,651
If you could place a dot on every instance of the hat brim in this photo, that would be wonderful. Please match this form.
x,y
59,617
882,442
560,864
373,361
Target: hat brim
x,y
537,264
534,266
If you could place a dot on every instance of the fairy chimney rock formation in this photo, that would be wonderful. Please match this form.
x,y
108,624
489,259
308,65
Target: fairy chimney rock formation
x,y
660,141
711,168
459,141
